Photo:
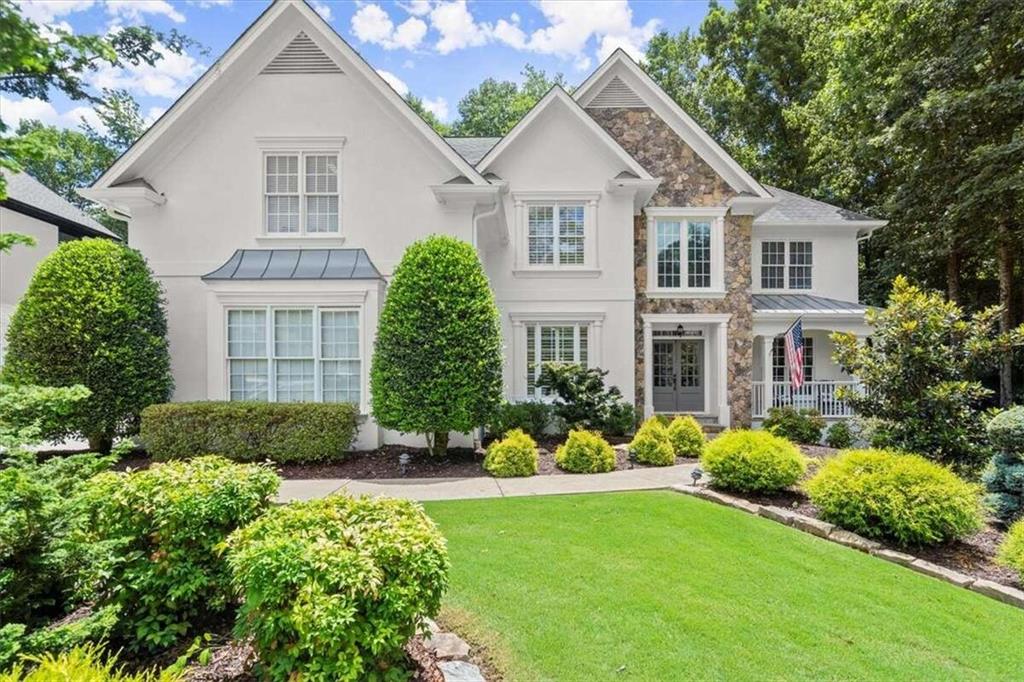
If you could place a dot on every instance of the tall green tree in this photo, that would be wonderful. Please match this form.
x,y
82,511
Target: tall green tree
x,y
494,107
416,104
36,63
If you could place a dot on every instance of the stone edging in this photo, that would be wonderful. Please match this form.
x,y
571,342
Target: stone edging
x,y
828,531
452,653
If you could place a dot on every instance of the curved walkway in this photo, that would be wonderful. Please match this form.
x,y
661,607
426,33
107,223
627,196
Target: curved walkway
x,y
483,486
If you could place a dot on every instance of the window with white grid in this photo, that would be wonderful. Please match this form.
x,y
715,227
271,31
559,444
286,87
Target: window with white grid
x,y
294,354
683,253
787,264
669,266
301,202
800,263
698,254
773,265
562,343
556,234
780,368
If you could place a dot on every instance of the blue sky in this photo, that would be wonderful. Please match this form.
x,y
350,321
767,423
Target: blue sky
x,y
436,49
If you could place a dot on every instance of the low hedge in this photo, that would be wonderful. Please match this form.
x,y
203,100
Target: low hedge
x,y
250,431
1011,551
585,452
514,455
800,426
753,461
891,495
333,588
652,444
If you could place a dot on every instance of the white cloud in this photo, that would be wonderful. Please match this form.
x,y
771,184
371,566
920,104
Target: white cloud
x,y
508,32
134,11
408,64
45,11
371,24
152,114
323,9
25,109
457,27
206,4
394,81
438,107
167,78
416,7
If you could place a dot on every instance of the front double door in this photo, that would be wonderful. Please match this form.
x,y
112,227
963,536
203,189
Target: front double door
x,y
678,373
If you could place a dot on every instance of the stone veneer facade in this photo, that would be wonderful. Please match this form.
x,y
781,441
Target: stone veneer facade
x,y
687,180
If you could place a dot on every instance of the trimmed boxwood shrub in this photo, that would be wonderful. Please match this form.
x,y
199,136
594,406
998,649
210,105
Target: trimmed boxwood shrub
x,y
531,416
687,436
1004,477
585,452
93,315
752,461
1011,551
652,445
514,455
890,495
800,426
161,530
333,588
250,431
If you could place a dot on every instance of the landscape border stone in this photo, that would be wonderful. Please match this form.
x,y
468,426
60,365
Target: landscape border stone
x,y
832,533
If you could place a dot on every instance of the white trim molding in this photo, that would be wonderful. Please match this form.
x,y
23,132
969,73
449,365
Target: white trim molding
x,y
716,216
520,320
590,267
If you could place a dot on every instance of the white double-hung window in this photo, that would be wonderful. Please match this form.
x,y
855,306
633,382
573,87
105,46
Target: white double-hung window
x,y
293,354
301,186
557,232
685,251
561,343
787,264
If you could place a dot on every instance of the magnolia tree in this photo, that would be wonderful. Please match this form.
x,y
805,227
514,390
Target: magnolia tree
x,y
920,372
437,360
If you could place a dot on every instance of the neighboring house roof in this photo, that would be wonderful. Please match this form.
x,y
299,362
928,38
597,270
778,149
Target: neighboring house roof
x,y
793,208
27,195
805,304
472,149
257,264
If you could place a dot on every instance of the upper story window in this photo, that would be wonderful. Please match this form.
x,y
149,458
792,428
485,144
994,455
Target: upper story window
x,y
786,264
301,202
685,251
557,234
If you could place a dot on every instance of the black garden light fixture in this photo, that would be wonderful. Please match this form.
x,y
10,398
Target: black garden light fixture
x,y
696,474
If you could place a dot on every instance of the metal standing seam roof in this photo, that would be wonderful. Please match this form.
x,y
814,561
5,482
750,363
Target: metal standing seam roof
x,y
805,303
24,188
278,264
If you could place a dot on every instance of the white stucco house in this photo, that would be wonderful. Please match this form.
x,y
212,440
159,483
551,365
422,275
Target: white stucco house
x,y
32,209
275,198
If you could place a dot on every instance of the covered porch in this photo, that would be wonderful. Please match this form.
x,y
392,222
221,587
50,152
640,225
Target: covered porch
x,y
773,315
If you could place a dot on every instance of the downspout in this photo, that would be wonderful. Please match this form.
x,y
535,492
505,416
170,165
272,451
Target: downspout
x,y
490,213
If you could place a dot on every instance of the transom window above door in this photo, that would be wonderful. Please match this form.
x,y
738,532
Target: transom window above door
x,y
685,252
787,264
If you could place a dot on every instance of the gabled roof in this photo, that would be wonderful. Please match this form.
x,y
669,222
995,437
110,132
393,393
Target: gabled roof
x,y
621,66
319,31
276,264
27,195
472,149
557,96
793,208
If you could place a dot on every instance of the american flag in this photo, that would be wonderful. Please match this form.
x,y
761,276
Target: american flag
x,y
795,353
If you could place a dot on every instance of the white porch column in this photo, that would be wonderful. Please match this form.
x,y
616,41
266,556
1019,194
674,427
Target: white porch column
x,y
723,373
766,371
517,386
648,370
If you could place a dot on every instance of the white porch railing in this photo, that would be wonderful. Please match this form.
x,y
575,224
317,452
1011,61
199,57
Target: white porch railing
x,y
820,395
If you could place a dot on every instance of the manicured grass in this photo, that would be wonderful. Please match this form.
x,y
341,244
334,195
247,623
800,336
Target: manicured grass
x,y
660,586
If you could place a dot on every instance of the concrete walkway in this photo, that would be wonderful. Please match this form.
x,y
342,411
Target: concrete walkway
x,y
483,486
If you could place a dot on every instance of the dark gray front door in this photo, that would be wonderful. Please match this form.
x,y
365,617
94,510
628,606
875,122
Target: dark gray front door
x,y
678,375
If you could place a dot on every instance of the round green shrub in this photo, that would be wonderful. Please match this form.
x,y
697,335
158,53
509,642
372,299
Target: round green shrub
x,y
1006,430
1011,551
752,461
437,360
531,416
890,495
652,445
1004,476
585,452
839,436
334,588
163,528
93,315
800,426
687,436
515,455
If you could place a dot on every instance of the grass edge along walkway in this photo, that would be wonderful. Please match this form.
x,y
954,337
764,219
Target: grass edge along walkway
x,y
657,585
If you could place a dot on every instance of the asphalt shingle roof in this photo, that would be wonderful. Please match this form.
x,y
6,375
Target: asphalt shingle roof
x,y
472,149
252,264
23,188
804,303
793,208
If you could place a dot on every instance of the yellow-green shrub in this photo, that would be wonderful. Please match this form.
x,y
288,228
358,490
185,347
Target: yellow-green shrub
x,y
1011,552
752,461
585,452
652,445
82,664
687,436
903,497
514,455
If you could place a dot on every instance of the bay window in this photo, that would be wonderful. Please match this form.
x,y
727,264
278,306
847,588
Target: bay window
x,y
787,264
562,343
293,354
685,251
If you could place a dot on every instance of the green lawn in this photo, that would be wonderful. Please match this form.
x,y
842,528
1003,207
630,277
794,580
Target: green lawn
x,y
671,587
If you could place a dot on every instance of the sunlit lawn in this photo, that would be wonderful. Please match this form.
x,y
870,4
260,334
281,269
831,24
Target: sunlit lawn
x,y
661,586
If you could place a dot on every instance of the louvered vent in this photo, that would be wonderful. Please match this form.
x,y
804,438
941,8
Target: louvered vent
x,y
301,55
616,95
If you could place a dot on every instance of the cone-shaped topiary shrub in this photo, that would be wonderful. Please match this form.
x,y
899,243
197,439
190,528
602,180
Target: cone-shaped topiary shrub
x,y
687,436
585,452
752,461
652,445
437,360
514,455
890,495
93,315
1004,477
1011,552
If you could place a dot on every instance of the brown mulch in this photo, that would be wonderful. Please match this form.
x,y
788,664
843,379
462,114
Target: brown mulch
x,y
424,662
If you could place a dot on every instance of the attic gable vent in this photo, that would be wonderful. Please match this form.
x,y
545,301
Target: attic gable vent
x,y
617,95
301,55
